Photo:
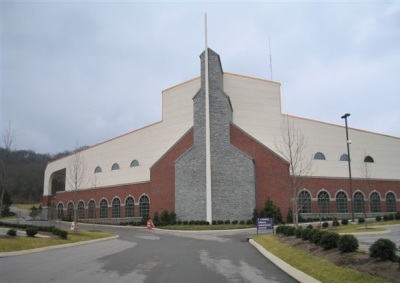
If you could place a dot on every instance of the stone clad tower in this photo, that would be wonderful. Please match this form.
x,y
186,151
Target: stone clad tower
x,y
232,171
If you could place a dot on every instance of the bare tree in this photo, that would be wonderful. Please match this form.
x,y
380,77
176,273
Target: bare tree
x,y
95,185
366,174
7,140
76,179
293,147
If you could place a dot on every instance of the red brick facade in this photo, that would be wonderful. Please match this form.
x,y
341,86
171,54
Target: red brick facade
x,y
160,188
272,171
271,182
272,176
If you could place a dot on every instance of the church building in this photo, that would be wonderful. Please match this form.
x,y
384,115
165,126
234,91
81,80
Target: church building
x,y
217,155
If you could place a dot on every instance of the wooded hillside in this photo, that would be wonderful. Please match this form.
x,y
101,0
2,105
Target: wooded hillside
x,y
26,174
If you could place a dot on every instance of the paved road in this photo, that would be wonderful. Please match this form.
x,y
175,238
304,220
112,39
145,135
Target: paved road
x,y
366,240
148,256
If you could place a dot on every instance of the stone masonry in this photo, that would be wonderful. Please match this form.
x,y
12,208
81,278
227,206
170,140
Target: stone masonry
x,y
232,171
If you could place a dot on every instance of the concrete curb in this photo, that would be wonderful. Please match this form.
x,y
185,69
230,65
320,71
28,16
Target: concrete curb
x,y
49,248
287,268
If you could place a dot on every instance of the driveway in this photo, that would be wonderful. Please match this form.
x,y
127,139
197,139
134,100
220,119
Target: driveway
x,y
141,255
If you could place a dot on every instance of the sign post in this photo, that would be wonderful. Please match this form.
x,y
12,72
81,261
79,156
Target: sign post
x,y
265,224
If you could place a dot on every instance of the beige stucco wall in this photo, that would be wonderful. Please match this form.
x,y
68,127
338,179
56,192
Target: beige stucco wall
x,y
146,145
257,110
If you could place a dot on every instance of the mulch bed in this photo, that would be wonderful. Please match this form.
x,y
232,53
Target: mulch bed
x,y
357,260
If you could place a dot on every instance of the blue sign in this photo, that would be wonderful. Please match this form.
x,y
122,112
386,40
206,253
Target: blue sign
x,y
265,224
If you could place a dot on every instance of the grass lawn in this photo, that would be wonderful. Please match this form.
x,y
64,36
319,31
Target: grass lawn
x,y
26,243
207,227
358,228
318,268
26,206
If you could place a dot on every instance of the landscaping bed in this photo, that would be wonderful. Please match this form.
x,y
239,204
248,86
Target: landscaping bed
x,y
359,261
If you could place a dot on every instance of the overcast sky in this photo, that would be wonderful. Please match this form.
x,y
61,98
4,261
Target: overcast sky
x,y
82,72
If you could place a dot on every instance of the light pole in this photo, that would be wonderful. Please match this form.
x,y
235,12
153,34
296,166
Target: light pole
x,y
348,142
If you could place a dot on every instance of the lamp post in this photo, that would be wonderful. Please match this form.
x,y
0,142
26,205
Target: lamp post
x,y
348,142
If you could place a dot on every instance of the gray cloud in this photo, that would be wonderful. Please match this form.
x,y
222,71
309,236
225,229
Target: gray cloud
x,y
90,71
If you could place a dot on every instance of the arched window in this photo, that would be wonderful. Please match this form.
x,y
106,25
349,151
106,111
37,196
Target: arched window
x,y
116,208
344,157
92,210
368,159
134,163
375,202
323,202
144,206
358,202
129,207
391,202
304,203
81,207
98,170
70,212
319,156
60,211
103,209
115,166
341,202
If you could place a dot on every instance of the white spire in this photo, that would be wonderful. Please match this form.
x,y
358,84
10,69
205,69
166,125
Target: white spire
x,y
208,141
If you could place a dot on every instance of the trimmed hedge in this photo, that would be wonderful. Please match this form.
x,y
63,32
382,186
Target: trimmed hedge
x,y
316,237
12,232
329,240
298,232
384,249
58,232
345,221
305,234
31,231
347,243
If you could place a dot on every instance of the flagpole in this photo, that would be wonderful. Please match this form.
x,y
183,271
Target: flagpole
x,y
208,147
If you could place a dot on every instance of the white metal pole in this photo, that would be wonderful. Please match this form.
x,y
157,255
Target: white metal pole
x,y
208,147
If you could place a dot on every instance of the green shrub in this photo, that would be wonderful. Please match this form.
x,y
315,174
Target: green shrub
x,y
12,232
391,216
309,226
227,222
63,234
397,216
242,222
172,218
31,231
329,240
383,249
290,230
214,222
191,222
325,225
280,229
220,222
311,234
249,222
378,218
297,233
335,223
185,222
235,222
347,243
316,237
361,220
305,234
345,221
